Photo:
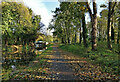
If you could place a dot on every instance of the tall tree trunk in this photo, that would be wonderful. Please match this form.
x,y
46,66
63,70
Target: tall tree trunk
x,y
115,34
68,40
75,37
112,30
100,36
84,30
80,35
119,36
94,34
109,27
110,14
26,46
18,40
65,39
64,35
62,40
112,33
6,43
94,25
67,36
118,41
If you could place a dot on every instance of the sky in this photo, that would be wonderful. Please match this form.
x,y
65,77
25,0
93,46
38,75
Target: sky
x,y
44,8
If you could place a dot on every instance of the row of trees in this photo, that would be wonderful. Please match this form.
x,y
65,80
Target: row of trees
x,y
69,23
19,24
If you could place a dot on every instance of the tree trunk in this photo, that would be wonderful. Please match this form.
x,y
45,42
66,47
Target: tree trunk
x,y
75,37
17,39
68,40
62,40
119,40
94,33
110,14
116,35
94,26
109,27
94,23
25,46
119,35
80,36
65,39
84,30
6,44
67,36
112,33
100,36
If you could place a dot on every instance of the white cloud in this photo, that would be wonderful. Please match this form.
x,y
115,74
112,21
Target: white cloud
x,y
39,9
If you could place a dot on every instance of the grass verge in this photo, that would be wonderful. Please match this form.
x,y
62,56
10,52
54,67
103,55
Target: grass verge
x,y
107,59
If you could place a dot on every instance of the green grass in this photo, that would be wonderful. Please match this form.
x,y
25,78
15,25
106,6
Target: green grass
x,y
107,59
49,47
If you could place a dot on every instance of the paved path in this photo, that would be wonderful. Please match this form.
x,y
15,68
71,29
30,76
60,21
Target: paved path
x,y
59,67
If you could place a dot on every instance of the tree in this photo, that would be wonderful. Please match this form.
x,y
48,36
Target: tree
x,y
18,24
102,24
84,31
94,23
119,29
110,14
119,35
67,21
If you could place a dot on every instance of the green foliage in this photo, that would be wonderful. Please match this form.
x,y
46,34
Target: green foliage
x,y
49,47
66,21
18,23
